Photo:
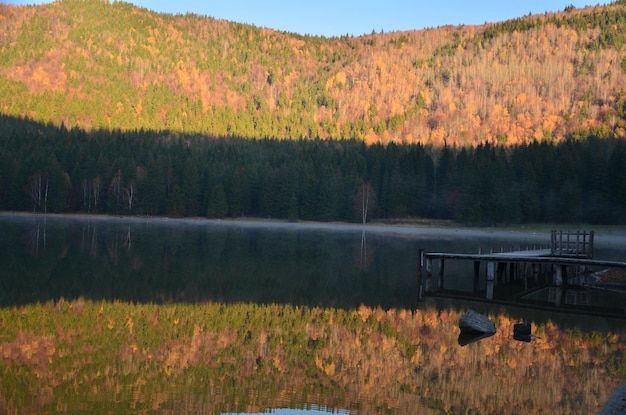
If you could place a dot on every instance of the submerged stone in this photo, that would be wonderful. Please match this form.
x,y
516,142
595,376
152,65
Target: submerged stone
x,y
474,322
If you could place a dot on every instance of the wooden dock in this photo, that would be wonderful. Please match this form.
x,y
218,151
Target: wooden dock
x,y
569,254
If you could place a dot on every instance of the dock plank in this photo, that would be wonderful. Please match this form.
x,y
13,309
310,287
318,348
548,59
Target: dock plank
x,y
529,253
515,257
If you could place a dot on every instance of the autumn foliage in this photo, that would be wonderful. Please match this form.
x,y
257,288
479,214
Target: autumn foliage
x,y
94,64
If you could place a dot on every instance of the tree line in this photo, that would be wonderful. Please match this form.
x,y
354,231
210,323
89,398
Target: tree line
x,y
44,168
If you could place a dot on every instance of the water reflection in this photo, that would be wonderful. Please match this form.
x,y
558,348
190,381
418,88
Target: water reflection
x,y
90,357
160,260
289,411
530,284
220,318
35,238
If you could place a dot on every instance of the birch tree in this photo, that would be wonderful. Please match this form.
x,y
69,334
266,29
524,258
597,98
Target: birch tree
x,y
96,188
365,201
130,195
37,189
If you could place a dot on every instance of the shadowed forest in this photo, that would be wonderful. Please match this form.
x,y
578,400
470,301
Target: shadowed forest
x,y
44,168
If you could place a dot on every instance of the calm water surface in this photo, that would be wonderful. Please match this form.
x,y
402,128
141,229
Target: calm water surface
x,y
194,261
160,260
164,261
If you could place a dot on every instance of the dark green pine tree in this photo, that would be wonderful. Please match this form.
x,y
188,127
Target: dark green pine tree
x,y
310,205
218,206
292,215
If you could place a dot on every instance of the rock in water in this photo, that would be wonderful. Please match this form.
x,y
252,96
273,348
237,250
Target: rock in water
x,y
473,322
523,332
524,329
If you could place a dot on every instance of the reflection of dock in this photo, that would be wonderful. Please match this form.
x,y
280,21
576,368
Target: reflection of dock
x,y
568,257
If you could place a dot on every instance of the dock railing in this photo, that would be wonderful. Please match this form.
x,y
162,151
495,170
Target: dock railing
x,y
578,244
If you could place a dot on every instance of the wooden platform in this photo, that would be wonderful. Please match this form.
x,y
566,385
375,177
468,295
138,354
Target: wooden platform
x,y
568,256
535,256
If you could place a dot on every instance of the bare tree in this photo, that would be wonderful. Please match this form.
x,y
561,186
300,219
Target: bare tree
x,y
365,201
37,189
130,195
45,196
96,187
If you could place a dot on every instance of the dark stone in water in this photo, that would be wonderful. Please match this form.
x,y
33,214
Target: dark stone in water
x,y
522,329
522,332
473,322
475,326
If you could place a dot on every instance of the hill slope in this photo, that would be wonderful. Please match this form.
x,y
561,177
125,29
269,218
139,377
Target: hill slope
x,y
91,64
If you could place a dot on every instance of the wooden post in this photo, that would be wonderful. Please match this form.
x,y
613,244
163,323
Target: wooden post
x,y
491,276
535,271
501,272
525,276
440,280
558,275
476,276
429,274
491,270
559,272
420,286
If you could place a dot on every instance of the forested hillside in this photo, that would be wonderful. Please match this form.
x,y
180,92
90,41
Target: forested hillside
x,y
98,65
112,108
44,168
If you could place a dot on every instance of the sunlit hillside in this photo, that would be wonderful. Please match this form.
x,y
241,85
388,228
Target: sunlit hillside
x,y
94,64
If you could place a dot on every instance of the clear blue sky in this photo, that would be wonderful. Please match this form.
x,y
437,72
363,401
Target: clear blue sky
x,y
355,17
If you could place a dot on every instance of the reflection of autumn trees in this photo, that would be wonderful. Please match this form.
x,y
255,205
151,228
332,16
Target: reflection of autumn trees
x,y
239,357
540,77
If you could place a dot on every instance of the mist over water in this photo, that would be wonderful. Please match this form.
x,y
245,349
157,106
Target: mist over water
x,y
165,261
194,260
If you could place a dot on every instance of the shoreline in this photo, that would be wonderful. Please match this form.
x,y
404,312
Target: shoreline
x,y
410,230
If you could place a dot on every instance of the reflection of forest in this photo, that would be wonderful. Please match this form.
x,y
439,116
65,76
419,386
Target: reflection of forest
x,y
212,358
155,261
196,319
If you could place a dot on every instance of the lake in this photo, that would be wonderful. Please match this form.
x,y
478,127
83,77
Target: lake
x,y
56,260
195,260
